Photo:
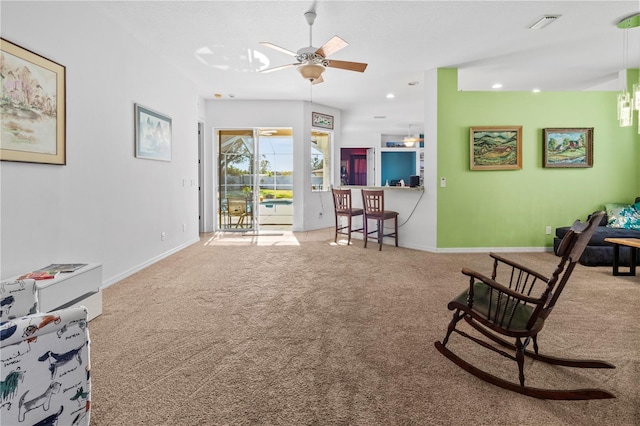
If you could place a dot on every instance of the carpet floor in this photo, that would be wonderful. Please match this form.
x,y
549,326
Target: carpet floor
x,y
303,331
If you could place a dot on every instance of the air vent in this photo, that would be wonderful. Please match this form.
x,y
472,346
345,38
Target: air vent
x,y
543,22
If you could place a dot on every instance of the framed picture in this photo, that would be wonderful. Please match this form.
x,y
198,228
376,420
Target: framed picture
x,y
152,134
570,147
321,120
32,107
496,148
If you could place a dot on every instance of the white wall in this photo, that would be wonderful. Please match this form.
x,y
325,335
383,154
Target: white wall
x,y
105,205
238,114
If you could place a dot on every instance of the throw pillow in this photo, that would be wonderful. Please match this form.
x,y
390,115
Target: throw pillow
x,y
626,216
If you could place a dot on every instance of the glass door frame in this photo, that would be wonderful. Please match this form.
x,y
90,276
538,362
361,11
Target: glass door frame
x,y
250,212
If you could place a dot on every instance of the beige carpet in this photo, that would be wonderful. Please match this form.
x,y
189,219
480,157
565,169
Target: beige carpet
x,y
246,330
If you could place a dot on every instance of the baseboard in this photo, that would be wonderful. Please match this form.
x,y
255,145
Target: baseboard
x,y
111,281
495,250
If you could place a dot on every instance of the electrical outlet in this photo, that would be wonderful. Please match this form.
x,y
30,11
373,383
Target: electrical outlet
x,y
443,182
320,215
548,230
162,236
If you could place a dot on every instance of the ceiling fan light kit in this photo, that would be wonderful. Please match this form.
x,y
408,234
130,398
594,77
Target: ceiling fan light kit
x,y
312,61
311,72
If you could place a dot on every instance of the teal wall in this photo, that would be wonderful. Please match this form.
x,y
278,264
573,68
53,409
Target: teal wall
x,y
511,208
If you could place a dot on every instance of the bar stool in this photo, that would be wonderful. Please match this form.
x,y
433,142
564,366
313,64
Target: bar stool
x,y
342,208
373,203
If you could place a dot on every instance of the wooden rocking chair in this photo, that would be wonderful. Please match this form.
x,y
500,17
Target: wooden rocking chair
x,y
518,310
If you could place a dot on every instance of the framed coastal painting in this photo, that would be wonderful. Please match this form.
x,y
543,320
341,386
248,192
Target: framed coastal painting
x,y
321,120
568,147
496,148
32,107
152,134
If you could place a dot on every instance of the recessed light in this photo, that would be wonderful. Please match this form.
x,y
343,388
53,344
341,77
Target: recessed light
x,y
497,86
390,96
536,90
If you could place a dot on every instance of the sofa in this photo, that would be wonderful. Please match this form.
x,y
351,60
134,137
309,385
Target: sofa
x,y
622,220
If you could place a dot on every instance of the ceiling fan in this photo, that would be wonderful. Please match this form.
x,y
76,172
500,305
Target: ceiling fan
x,y
312,61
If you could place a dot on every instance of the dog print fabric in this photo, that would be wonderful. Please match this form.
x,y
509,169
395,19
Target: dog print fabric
x,y
45,371
17,298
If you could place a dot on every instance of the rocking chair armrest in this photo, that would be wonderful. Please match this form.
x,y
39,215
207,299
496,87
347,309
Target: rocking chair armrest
x,y
519,266
499,287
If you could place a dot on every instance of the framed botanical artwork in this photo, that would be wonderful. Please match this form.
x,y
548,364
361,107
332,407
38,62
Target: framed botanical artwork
x,y
321,120
568,147
496,148
32,107
152,134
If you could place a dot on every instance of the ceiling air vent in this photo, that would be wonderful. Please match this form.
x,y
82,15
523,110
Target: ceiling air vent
x,y
543,22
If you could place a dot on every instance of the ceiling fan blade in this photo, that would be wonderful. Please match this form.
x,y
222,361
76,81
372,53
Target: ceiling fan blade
x,y
281,67
318,80
278,48
346,65
332,46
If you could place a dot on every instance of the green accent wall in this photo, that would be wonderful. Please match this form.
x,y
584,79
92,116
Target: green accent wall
x,y
511,208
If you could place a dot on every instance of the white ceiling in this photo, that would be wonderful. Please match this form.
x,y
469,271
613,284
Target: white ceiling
x,y
216,44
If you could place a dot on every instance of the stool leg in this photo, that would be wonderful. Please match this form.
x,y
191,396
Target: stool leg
x,y
366,230
396,219
349,230
380,233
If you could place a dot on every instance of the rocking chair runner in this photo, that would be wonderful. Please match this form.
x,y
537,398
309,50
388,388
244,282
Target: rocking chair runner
x,y
519,310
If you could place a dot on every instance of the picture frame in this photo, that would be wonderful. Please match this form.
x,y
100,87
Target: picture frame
x,y
496,148
567,147
152,134
32,107
322,120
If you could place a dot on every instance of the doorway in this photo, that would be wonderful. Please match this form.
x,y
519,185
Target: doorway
x,y
255,179
356,166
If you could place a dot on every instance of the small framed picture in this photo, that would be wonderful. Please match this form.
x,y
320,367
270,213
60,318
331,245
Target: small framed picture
x,y
496,148
321,120
568,147
152,134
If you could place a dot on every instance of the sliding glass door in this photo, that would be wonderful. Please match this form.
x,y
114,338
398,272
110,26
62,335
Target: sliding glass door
x,y
255,179
236,179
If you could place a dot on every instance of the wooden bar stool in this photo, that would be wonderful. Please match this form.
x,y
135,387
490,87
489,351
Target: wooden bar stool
x,y
373,203
342,208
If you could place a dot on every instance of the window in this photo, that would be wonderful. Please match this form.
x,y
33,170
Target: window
x,y
320,161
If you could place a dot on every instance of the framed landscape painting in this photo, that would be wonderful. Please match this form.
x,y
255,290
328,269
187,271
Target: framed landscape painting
x,y
568,147
496,148
152,134
32,107
321,120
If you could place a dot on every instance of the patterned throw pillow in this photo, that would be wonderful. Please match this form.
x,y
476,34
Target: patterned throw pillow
x,y
626,216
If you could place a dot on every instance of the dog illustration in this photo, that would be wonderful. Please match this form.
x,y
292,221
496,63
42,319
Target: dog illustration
x,y
7,329
47,319
59,360
52,420
80,396
81,323
9,386
6,304
43,401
